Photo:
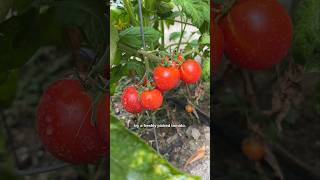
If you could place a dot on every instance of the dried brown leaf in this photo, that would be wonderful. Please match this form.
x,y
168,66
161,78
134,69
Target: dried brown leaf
x,y
197,156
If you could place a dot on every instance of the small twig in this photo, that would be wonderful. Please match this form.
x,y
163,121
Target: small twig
x,y
155,133
154,130
183,29
250,90
175,44
259,169
41,170
182,22
100,168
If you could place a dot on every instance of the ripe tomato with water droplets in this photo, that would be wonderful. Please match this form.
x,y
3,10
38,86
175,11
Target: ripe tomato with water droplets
x,y
166,78
151,99
64,123
130,100
190,71
257,34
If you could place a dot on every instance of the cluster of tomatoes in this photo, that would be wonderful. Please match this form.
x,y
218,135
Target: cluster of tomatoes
x,y
166,76
65,123
253,34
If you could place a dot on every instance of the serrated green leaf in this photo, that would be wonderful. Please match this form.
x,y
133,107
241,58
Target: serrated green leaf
x,y
116,73
133,159
306,39
198,11
132,37
205,70
136,66
205,39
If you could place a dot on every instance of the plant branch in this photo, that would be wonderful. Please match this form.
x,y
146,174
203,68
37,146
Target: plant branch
x,y
133,51
41,170
182,33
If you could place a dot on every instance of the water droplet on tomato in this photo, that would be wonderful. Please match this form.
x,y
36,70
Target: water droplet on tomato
x,y
49,131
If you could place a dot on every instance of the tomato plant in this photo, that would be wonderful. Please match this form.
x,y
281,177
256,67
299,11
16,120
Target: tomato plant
x,y
149,45
75,131
272,104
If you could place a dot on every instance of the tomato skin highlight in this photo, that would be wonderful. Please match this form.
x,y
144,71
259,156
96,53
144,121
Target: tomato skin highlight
x,y
151,99
166,78
64,124
130,100
190,71
257,34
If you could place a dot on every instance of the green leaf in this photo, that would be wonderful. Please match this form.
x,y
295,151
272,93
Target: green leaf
x,y
306,39
117,72
174,36
5,6
132,37
22,35
136,66
89,15
133,159
114,38
205,39
205,70
8,88
196,10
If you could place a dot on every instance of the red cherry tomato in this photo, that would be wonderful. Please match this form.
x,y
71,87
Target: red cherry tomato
x,y
130,100
180,58
166,78
151,99
64,123
190,71
257,34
